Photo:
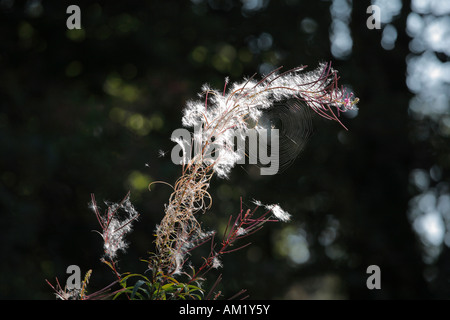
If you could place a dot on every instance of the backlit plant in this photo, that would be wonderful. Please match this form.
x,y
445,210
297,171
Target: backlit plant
x,y
220,116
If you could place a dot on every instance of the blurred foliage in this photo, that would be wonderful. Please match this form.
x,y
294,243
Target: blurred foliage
x,y
92,110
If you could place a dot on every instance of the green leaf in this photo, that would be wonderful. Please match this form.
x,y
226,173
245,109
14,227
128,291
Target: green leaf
x,y
170,287
123,281
137,286
173,280
197,296
118,294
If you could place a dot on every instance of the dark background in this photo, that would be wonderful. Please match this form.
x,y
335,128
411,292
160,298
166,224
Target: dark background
x,y
87,111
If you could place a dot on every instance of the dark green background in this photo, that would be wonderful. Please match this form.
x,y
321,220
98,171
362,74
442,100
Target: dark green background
x,y
83,112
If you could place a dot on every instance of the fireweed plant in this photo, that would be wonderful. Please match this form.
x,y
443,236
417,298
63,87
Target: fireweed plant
x,y
220,115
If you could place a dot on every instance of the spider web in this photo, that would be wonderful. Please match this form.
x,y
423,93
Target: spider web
x,y
293,119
